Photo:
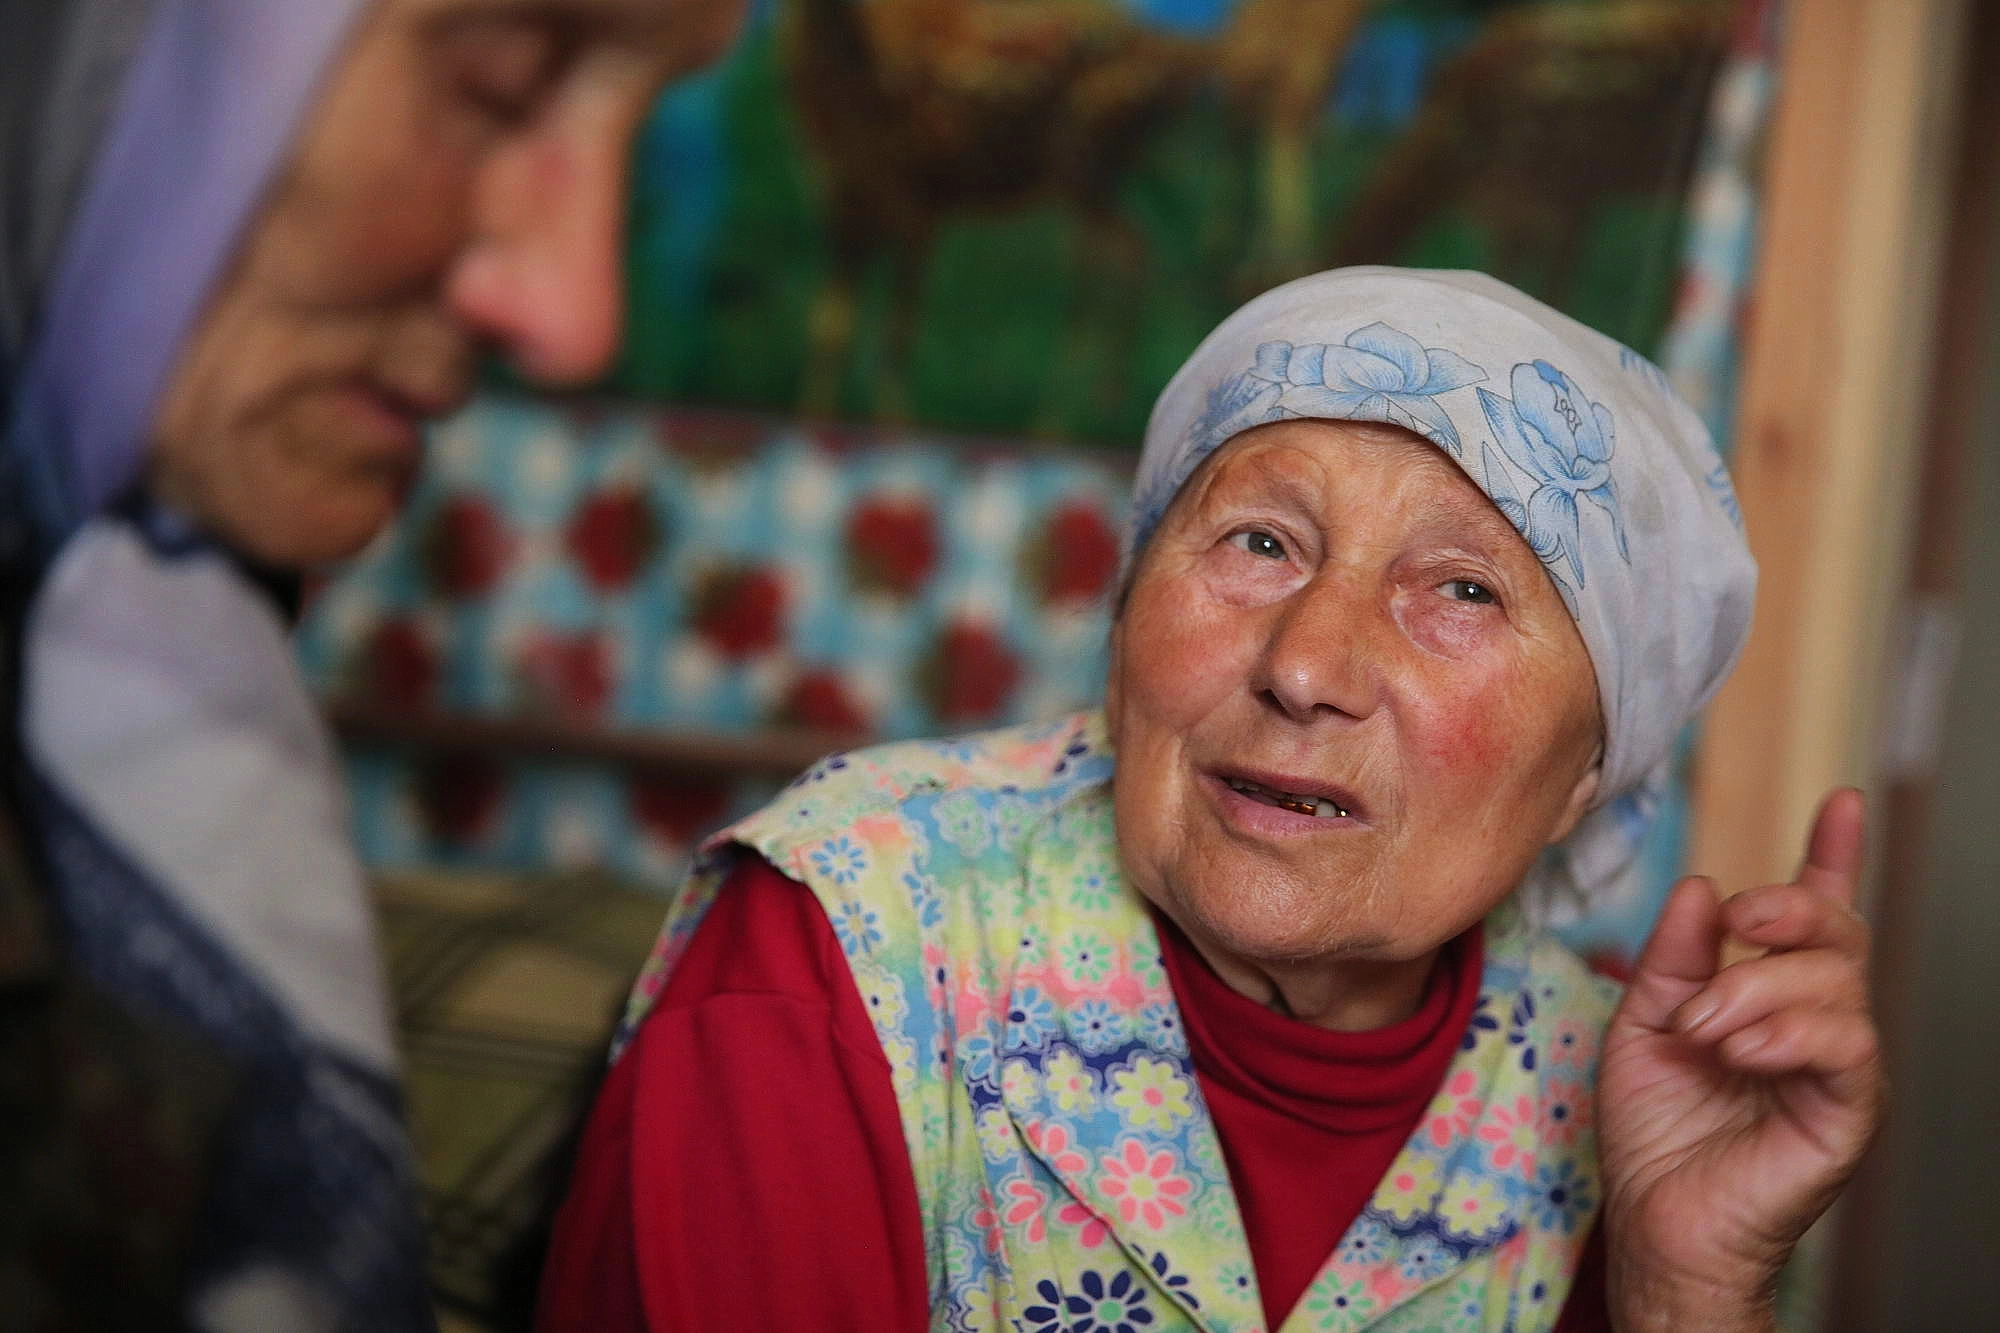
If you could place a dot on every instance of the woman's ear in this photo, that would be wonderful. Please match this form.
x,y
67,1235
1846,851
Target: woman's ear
x,y
1581,797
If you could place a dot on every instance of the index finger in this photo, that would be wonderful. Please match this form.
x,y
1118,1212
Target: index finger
x,y
1832,865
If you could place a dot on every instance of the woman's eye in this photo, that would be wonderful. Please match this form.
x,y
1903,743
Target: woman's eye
x,y
1465,590
1258,543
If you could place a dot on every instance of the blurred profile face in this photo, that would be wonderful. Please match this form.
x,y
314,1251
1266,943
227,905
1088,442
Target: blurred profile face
x,y
460,185
1349,707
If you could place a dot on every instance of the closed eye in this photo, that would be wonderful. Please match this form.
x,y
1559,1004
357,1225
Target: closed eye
x,y
1258,542
506,64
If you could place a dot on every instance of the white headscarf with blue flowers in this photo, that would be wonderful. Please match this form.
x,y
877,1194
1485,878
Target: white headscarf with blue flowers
x,y
1610,479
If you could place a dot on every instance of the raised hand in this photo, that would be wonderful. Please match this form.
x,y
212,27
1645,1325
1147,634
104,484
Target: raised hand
x,y
1734,1102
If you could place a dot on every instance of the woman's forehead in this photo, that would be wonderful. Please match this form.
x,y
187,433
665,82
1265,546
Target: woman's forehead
x,y
1314,464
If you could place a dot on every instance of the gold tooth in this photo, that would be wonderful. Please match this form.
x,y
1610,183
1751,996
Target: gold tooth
x,y
1287,802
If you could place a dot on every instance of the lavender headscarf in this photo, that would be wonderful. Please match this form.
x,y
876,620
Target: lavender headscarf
x,y
137,137
185,797
1609,478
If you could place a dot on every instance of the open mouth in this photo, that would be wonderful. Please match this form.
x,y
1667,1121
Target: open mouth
x,y
1299,803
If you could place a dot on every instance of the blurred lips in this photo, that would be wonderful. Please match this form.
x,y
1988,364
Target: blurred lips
x,y
388,423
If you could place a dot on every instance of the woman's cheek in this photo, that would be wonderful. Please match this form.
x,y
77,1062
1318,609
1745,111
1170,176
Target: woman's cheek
x,y
1180,650
1483,723
1462,735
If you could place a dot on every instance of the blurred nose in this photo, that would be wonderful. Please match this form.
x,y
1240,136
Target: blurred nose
x,y
542,274
1323,654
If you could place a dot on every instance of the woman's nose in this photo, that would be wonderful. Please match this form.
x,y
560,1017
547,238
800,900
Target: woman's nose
x,y
541,275
1320,659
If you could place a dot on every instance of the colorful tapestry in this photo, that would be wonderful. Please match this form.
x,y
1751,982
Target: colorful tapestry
x,y
1016,217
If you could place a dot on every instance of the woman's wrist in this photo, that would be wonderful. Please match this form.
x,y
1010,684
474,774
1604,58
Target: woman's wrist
x,y
1643,1299
1648,1318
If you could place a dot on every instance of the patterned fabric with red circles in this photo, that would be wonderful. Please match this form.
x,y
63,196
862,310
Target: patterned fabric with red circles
x,y
628,568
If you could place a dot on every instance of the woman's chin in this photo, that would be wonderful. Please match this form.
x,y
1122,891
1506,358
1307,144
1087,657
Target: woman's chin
x,y
1275,928
328,529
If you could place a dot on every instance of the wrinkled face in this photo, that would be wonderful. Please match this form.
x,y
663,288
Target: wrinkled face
x,y
1349,707
459,185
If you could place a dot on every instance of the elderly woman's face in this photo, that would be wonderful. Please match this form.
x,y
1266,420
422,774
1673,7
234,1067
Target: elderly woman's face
x,y
460,184
1349,707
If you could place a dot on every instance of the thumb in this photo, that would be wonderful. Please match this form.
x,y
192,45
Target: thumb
x,y
1680,958
1832,862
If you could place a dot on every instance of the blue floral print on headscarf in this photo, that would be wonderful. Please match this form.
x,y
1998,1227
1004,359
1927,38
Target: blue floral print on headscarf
x,y
1562,442
1379,373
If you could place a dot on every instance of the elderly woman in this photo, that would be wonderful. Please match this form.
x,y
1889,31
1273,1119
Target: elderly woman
x,y
247,247
1227,1009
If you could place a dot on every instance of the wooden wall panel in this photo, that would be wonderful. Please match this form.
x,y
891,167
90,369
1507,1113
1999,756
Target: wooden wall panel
x,y
1884,1248
1834,379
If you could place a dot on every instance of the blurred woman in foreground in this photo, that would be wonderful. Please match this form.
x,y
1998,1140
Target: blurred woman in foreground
x,y
248,248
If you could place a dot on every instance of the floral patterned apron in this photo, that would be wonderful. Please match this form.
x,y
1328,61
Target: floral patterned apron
x,y
1068,1173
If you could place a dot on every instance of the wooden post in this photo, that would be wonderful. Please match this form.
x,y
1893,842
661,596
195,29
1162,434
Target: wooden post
x,y
1835,377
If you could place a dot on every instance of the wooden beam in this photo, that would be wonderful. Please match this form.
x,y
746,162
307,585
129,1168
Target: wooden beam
x,y
1828,426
